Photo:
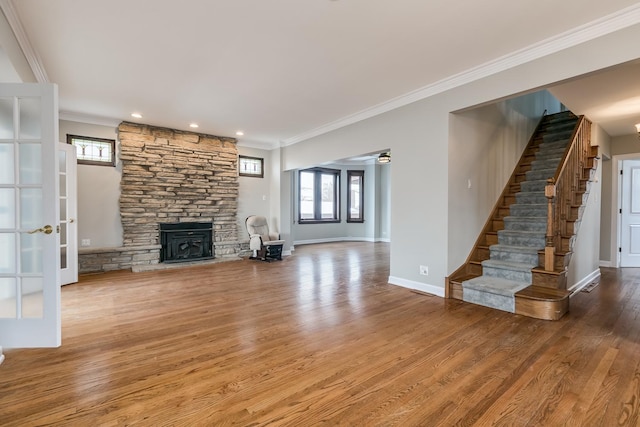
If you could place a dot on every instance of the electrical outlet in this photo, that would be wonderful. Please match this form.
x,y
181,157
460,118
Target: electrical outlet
x,y
85,242
424,270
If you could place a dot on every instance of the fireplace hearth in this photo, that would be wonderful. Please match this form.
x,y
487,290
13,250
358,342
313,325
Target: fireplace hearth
x,y
186,241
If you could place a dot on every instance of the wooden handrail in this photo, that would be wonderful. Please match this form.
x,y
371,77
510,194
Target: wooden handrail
x,y
562,188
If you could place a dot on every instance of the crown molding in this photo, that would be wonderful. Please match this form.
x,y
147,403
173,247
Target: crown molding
x,y
260,145
89,119
29,52
600,27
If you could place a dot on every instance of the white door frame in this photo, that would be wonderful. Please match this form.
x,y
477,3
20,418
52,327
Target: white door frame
x,y
69,224
616,183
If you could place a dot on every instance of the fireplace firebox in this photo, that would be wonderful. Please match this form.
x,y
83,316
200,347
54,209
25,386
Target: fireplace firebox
x,y
186,241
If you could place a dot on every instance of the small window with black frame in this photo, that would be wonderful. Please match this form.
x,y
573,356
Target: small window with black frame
x,y
94,151
251,166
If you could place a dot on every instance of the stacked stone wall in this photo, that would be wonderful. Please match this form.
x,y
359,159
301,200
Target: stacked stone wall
x,y
175,176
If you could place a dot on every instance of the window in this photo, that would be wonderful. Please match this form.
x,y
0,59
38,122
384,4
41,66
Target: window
x,y
355,196
250,166
318,190
94,151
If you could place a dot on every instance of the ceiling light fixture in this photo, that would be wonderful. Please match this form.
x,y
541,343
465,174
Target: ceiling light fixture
x,y
384,157
136,115
193,125
638,129
239,133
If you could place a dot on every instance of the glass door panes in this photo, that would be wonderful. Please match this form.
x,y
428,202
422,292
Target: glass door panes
x,y
64,209
21,208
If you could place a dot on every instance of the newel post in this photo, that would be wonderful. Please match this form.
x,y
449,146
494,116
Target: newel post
x,y
549,249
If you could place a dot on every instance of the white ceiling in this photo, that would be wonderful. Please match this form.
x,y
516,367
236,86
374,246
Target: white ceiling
x,y
609,97
275,69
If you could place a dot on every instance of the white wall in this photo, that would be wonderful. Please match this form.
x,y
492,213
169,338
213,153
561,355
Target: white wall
x,y
621,147
586,249
254,194
98,191
384,206
418,136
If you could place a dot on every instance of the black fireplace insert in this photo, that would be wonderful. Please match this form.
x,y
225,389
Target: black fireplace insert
x,y
186,241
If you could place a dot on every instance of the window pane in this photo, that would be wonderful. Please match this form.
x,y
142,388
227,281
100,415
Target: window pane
x,y
8,298
8,249
328,199
30,163
306,195
93,151
31,211
7,208
6,164
6,118
354,187
30,118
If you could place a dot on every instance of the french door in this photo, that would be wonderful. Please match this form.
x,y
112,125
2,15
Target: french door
x,y
29,216
68,188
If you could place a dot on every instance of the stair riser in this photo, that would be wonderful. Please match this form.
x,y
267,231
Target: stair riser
x,y
485,299
536,198
513,224
556,137
531,186
553,146
550,154
519,240
528,210
511,256
518,276
548,163
540,174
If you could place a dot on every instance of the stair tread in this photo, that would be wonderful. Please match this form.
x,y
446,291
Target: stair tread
x,y
513,248
540,293
508,265
525,218
522,232
494,285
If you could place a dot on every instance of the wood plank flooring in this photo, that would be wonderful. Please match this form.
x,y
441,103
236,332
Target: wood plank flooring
x,y
321,339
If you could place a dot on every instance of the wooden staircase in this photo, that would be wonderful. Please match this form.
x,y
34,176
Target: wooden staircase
x,y
566,192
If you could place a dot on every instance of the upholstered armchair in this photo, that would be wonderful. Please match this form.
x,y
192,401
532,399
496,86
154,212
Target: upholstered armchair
x,y
266,246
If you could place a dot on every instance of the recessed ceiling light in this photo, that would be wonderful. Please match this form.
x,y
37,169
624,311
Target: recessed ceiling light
x,y
193,125
239,133
136,115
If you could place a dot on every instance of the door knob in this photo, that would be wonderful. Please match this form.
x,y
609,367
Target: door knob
x,y
47,229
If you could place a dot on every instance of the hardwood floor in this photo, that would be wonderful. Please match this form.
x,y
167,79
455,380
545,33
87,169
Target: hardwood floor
x,y
321,339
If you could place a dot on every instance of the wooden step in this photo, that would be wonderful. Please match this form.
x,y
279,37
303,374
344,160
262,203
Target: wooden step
x,y
549,279
542,303
455,285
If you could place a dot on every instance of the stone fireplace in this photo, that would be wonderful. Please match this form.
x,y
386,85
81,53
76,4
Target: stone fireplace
x,y
173,176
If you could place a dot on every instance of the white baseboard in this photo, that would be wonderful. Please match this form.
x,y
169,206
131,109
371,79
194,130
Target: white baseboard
x,y
418,286
339,239
594,276
605,264
1,356
286,253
